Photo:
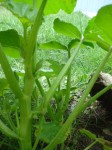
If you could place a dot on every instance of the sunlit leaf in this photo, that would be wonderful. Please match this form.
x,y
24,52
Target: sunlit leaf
x,y
12,52
96,34
2,0
53,45
73,44
66,29
53,6
104,20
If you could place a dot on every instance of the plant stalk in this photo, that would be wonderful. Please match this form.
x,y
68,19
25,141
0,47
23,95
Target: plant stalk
x,y
25,105
79,106
58,79
10,75
67,97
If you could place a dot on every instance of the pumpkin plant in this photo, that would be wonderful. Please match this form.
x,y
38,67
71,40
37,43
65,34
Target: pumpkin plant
x,y
25,43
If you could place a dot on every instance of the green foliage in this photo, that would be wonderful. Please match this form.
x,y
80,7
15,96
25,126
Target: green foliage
x,y
89,134
67,5
53,45
105,13
66,29
9,21
49,131
98,30
23,10
106,144
3,85
52,103
10,38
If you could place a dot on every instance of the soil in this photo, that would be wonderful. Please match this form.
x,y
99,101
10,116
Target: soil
x,y
95,119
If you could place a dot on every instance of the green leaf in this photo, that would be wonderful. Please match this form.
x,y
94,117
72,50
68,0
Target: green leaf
x,y
3,84
53,6
96,34
49,131
38,66
55,66
46,73
104,20
14,53
66,29
89,134
73,44
23,10
10,38
53,45
66,5
2,0
107,145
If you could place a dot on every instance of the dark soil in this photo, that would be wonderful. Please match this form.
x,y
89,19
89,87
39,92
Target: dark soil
x,y
95,119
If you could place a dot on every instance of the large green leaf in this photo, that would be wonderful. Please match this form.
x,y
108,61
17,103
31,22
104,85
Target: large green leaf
x,y
10,38
53,6
49,131
66,29
96,34
99,29
104,20
53,45
23,10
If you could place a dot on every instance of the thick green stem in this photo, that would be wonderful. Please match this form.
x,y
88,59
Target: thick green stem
x,y
25,105
10,75
35,28
25,125
78,108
